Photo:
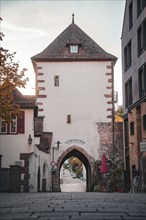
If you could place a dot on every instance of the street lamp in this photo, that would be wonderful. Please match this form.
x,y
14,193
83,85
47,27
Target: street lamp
x,y
58,144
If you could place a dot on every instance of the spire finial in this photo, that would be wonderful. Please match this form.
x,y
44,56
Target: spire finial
x,y
73,18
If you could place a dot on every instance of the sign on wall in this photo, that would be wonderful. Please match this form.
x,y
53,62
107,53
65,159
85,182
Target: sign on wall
x,y
75,141
143,146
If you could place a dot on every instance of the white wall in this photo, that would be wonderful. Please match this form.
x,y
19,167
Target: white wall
x,y
12,145
39,158
81,90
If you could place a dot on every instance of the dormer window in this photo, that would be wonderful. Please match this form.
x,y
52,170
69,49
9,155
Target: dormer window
x,y
74,48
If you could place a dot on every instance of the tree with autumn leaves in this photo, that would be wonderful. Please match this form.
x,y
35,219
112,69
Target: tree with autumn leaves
x,y
10,79
76,166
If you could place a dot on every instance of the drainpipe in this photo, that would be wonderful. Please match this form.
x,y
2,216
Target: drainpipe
x,y
113,113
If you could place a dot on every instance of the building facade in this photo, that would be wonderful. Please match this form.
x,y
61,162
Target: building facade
x,y
74,94
72,114
134,87
24,155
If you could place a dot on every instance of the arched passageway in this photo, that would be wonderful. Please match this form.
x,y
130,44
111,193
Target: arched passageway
x,y
82,155
73,176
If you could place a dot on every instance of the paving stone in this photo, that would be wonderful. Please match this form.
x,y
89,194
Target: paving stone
x,y
74,206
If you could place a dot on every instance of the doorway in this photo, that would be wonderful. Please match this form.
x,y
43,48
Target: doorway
x,y
84,157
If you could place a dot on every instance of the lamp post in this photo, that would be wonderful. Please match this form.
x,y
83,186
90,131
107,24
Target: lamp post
x,y
113,113
58,144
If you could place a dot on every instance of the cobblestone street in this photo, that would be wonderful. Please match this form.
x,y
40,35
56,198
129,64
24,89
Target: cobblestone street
x,y
76,206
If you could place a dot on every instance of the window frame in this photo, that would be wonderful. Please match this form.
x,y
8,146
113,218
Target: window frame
x,y
128,93
132,128
144,122
74,48
127,55
56,80
130,15
13,125
141,38
68,119
6,127
142,80
141,4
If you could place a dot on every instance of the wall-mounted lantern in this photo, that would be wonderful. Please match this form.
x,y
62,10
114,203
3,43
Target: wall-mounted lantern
x,y
58,144
29,139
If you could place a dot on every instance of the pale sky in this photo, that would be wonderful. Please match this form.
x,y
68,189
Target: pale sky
x,y
30,26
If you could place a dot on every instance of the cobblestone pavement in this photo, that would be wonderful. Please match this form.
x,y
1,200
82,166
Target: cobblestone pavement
x,y
74,206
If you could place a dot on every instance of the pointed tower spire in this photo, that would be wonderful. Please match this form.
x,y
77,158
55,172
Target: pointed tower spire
x,y
73,18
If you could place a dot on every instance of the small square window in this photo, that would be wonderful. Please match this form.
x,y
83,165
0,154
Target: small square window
x,y
68,119
73,48
132,128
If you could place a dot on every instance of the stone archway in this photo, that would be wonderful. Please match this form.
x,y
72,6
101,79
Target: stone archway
x,y
82,155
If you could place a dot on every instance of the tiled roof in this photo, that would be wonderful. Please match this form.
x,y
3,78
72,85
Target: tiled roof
x,y
45,142
22,100
73,35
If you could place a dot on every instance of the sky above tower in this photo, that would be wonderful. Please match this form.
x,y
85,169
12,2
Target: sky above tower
x,y
30,26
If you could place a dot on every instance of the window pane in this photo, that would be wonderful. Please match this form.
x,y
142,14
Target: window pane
x,y
139,33
68,119
56,81
130,92
144,122
126,95
132,128
130,16
3,128
141,38
74,49
127,56
13,127
142,80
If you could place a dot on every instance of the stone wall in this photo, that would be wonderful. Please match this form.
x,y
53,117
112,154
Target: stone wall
x,y
25,172
105,131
